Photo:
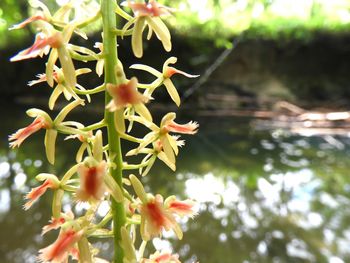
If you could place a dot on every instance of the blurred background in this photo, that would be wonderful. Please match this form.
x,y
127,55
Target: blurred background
x,y
270,164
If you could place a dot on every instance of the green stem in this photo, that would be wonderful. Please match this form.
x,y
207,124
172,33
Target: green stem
x,y
69,130
69,188
90,91
120,32
101,224
130,138
115,153
122,13
95,126
80,57
135,166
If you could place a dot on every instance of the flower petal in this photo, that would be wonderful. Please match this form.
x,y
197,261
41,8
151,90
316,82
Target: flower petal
x,y
119,121
113,188
136,37
138,187
143,111
128,246
50,144
54,96
172,91
148,69
50,67
163,157
161,31
67,67
28,21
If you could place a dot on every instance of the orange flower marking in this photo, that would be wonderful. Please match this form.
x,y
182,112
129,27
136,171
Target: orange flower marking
x,y
163,257
59,251
28,21
37,192
43,78
170,71
152,8
158,146
189,128
80,137
130,208
155,214
54,224
24,133
124,95
91,182
40,47
166,257
181,208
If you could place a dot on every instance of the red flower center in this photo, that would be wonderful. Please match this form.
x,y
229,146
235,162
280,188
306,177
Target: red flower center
x,y
156,214
63,243
91,181
126,94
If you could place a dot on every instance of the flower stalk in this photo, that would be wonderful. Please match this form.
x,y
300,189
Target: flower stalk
x,y
110,62
101,172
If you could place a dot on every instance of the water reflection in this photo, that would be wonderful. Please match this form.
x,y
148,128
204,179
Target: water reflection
x,y
263,197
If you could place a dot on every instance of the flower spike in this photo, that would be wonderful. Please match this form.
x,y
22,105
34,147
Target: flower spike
x,y
98,180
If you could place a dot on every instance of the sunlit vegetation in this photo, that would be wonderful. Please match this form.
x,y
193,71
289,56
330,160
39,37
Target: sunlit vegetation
x,y
221,20
11,11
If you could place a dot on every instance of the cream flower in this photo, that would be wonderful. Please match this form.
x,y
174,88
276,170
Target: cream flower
x,y
147,14
156,215
165,146
163,78
60,250
50,182
92,185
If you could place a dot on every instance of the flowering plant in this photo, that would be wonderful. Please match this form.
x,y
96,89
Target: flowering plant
x,y
101,172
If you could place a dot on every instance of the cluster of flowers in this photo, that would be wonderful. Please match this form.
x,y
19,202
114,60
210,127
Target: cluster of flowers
x,y
90,179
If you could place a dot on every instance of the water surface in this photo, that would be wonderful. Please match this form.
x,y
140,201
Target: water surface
x,y
264,196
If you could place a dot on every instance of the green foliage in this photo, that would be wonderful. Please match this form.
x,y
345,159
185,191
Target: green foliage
x,y
11,11
221,20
